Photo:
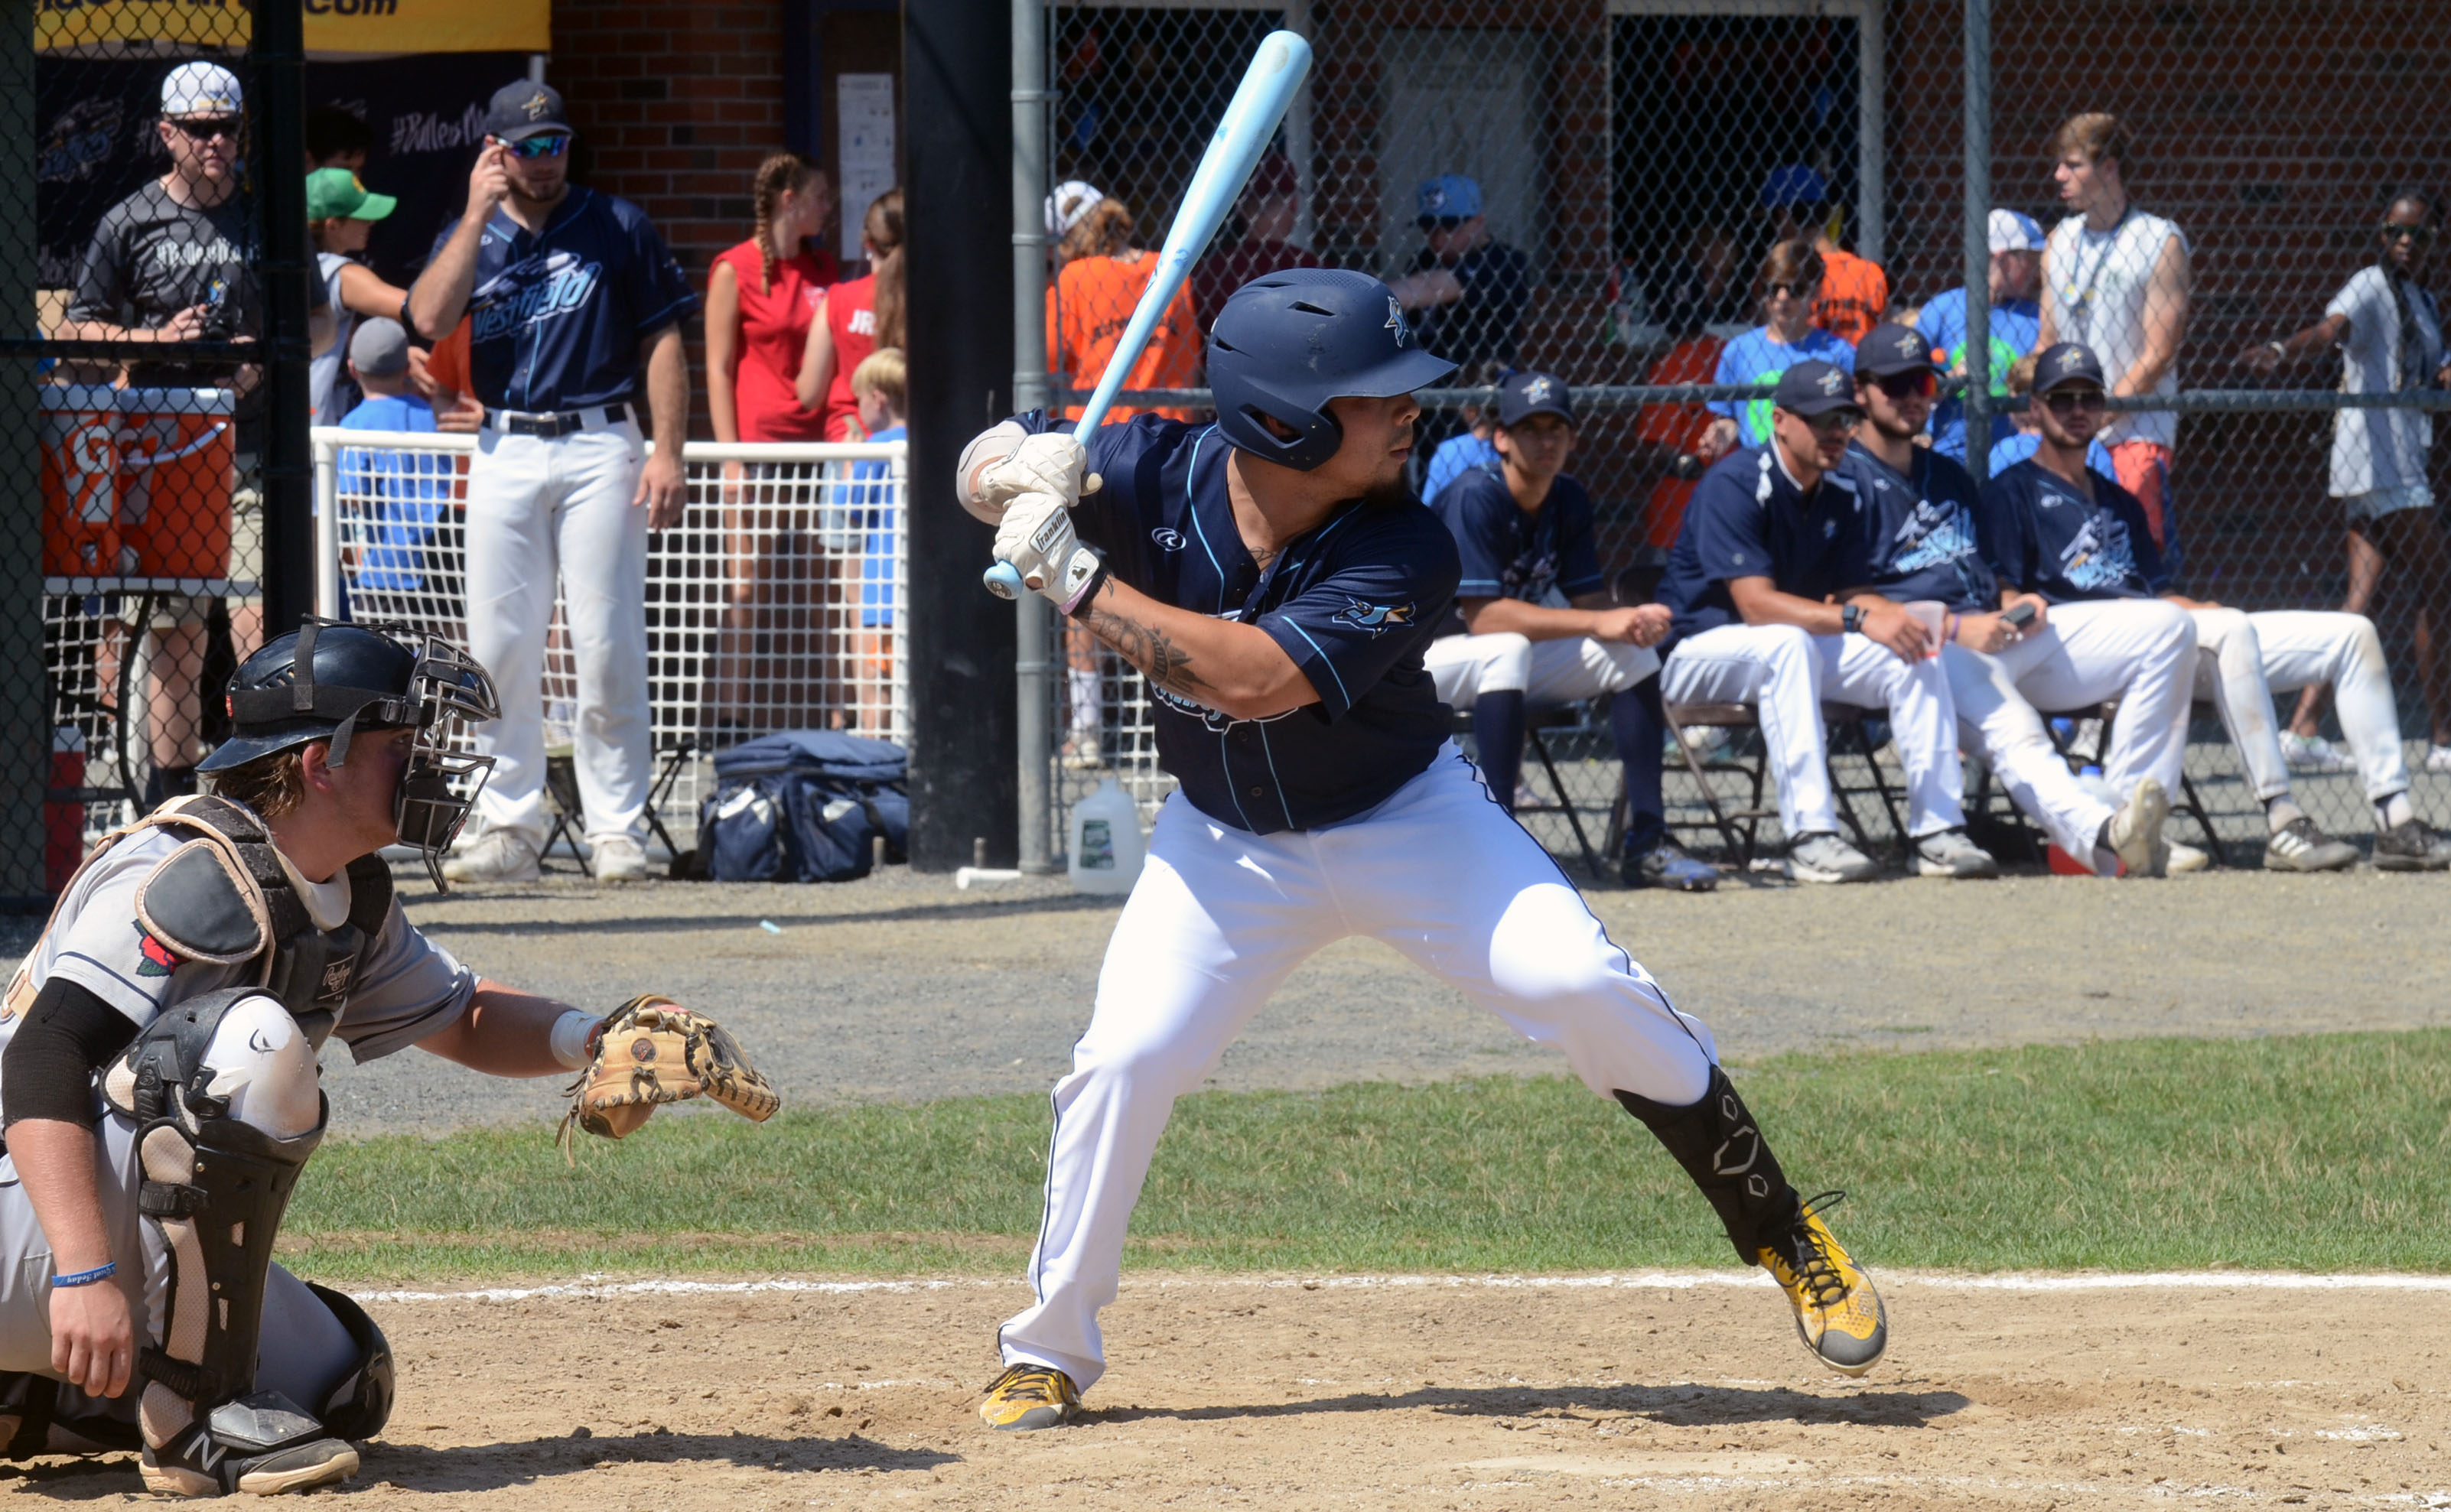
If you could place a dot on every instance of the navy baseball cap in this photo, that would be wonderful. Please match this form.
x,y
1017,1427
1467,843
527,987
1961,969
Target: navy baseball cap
x,y
1520,396
1794,184
1448,197
521,110
2068,362
1890,347
1815,389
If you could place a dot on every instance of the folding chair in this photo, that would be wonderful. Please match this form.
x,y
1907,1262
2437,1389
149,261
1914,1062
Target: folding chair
x,y
2189,802
562,801
1840,720
1536,722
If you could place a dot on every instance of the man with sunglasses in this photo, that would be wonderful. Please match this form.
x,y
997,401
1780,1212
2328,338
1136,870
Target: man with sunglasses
x,y
1925,543
575,306
2059,529
177,262
1466,289
1775,535
2388,330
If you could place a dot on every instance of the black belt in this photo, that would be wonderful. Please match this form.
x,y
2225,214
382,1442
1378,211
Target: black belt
x,y
556,422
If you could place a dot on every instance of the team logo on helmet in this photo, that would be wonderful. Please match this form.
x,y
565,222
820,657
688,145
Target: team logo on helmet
x,y
1396,319
1377,618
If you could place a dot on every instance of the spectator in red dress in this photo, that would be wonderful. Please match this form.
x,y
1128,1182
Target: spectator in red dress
x,y
861,316
1271,207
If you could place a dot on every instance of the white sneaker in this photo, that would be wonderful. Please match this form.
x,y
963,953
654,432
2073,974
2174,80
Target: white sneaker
x,y
619,859
497,855
1948,852
2184,858
2437,759
1081,754
1824,857
2312,753
2136,830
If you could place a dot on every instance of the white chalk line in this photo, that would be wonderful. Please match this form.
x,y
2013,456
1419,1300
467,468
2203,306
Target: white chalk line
x,y
587,1288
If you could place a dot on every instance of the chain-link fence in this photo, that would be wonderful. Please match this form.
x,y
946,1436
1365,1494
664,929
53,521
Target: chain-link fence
x,y
157,281
1600,190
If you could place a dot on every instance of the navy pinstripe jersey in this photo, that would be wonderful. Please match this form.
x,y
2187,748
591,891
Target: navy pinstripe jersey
x,y
555,317
1354,603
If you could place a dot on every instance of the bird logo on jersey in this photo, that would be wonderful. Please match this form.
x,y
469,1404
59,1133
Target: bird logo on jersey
x,y
2099,555
1377,618
1938,535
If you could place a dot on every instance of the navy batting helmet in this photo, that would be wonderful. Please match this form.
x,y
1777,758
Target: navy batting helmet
x,y
1287,342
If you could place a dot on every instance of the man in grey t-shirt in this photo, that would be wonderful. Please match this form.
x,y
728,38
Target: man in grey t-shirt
x,y
2388,330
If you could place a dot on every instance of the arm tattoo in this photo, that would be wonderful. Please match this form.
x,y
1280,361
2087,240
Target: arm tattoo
x,y
1152,651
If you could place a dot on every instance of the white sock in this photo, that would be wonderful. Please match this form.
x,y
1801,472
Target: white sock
x,y
2282,811
2394,811
1085,705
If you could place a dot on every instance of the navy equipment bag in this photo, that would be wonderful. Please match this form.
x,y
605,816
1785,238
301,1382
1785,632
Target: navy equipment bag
x,y
804,806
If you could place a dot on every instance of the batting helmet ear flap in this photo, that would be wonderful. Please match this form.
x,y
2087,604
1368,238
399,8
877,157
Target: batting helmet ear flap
x,y
1316,433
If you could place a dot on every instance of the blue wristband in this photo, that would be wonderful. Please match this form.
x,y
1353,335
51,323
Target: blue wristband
x,y
87,1278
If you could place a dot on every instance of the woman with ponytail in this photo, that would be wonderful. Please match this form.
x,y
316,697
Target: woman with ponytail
x,y
861,316
762,298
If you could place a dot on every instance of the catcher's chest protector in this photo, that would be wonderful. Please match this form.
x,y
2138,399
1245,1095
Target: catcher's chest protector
x,y
224,898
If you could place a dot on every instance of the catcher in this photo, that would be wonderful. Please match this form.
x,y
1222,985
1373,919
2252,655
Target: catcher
x,y
158,1074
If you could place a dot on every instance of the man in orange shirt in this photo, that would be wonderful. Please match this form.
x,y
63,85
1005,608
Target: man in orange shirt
x,y
1855,291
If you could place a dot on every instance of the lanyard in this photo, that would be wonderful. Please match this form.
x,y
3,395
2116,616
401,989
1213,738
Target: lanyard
x,y
2078,295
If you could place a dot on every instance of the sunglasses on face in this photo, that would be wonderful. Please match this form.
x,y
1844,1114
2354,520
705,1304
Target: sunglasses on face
x,y
1837,423
205,128
2415,235
1907,386
1792,290
2083,401
550,145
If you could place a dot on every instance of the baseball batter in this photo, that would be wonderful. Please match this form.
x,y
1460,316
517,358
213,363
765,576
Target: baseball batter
x,y
1277,585
574,303
158,1075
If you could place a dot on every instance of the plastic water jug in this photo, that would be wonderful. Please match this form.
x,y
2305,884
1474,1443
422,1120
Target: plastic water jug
x,y
1102,842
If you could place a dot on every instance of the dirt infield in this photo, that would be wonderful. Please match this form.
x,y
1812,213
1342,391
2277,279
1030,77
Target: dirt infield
x,y
1685,1391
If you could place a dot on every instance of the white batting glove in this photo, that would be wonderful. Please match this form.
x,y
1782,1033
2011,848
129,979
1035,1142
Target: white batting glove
x,y
1036,537
1051,462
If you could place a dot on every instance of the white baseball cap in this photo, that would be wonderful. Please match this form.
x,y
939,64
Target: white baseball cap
x,y
1071,199
2013,232
201,88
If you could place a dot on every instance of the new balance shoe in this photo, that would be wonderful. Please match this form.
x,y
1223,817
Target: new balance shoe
x,y
1948,852
1029,1397
260,1444
2298,846
497,855
2312,753
2185,858
2412,846
1668,865
2136,830
1824,857
1837,1313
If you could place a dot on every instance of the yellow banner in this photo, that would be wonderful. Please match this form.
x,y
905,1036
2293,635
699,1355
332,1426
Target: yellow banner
x,y
332,26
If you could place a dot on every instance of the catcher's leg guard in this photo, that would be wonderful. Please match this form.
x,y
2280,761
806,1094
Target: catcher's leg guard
x,y
223,1093
1717,1142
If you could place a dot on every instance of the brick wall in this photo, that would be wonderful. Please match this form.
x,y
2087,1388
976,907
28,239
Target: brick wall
x,y
677,102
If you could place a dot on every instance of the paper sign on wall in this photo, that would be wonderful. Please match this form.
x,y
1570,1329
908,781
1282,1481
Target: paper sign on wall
x,y
864,104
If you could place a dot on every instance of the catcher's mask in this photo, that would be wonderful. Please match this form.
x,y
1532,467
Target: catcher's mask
x,y
331,680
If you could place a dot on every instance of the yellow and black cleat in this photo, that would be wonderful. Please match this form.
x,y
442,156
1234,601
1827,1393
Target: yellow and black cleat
x,y
1029,1397
1837,1313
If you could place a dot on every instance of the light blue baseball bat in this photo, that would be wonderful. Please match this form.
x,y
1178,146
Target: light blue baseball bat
x,y
1242,134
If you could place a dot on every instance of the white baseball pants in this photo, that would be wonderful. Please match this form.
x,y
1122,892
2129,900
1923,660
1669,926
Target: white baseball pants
x,y
1547,673
2243,660
1786,675
539,510
1995,720
261,1055
1221,917
2140,651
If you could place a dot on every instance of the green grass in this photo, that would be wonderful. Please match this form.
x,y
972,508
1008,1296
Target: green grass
x,y
2319,1152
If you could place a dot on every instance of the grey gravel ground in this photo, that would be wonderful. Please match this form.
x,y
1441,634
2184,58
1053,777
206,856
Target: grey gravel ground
x,y
902,988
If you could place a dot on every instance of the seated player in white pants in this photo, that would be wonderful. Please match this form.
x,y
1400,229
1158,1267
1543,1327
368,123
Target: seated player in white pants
x,y
2078,539
1924,545
1773,533
1320,799
1523,532
159,1081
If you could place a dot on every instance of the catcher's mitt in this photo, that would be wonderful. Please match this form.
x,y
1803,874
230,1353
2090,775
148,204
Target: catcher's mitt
x,y
652,1051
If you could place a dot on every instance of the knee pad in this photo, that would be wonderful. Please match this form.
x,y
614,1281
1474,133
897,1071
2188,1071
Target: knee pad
x,y
214,1186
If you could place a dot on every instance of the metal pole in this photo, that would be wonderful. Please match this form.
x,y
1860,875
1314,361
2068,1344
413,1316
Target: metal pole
x,y
1871,152
1297,145
1978,243
288,483
327,529
1034,636
24,694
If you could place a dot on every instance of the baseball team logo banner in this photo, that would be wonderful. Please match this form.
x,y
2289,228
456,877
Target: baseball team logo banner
x,y
332,26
